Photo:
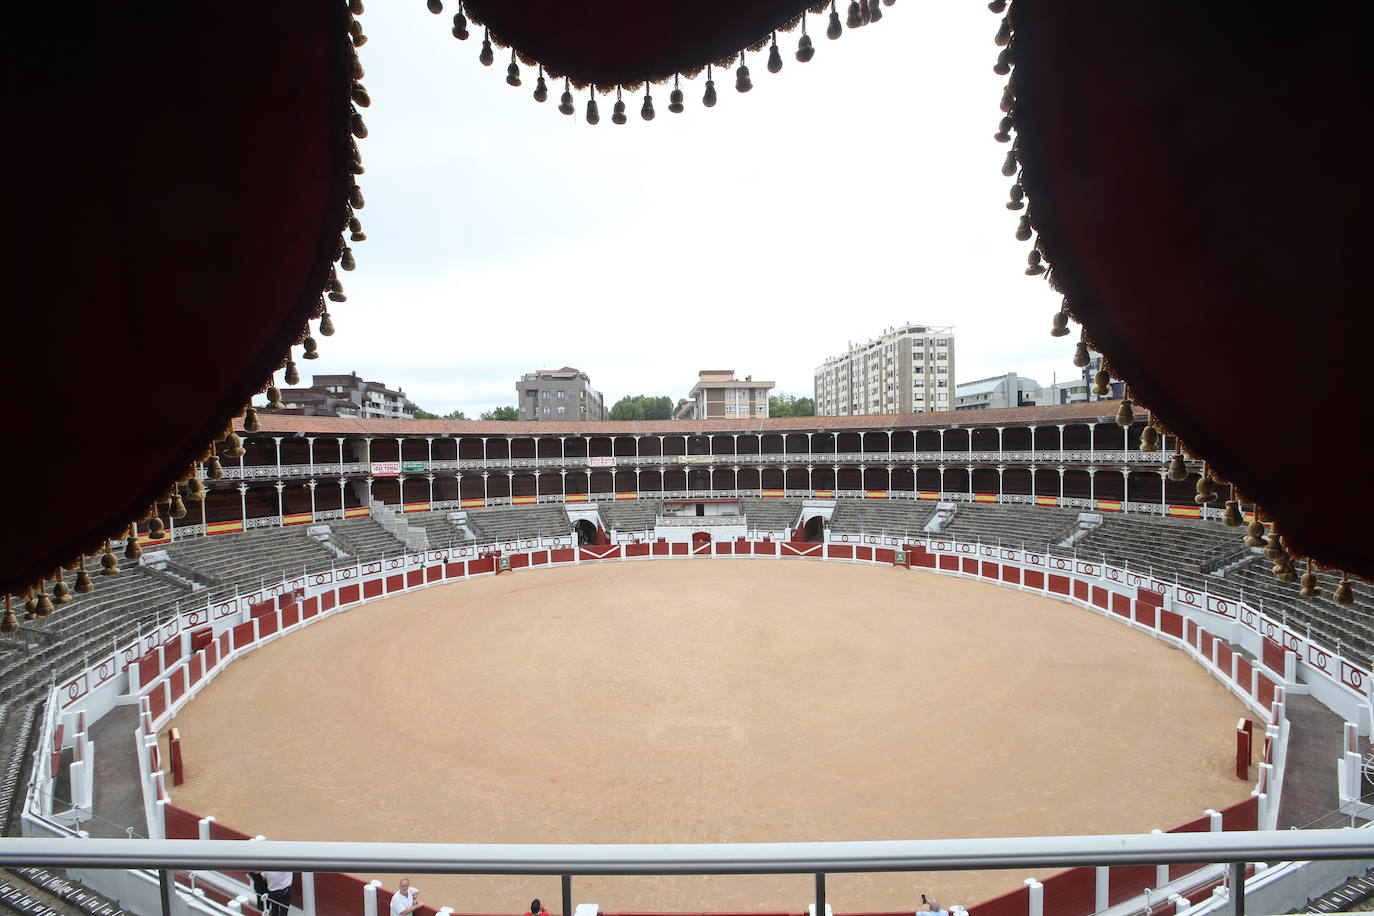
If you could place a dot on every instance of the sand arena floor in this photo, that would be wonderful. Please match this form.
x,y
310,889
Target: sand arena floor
x,y
709,701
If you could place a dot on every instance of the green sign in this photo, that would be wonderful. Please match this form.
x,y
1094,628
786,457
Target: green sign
x,y
503,564
899,558
412,467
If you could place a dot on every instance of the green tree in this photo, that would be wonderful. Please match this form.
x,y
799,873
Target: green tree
x,y
786,405
642,407
422,414
500,413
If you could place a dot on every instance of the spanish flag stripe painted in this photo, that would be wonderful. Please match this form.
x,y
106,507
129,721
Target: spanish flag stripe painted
x,y
824,494
875,494
627,496
1185,511
985,497
357,512
523,500
772,492
473,503
298,519
144,540
416,507
1047,500
572,498
928,495
1109,505
224,527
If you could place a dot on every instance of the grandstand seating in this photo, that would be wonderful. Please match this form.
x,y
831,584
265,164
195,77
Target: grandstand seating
x,y
440,531
245,558
629,515
509,523
881,517
1032,526
364,538
771,513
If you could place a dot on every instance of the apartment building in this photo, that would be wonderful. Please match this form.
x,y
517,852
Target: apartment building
x,y
717,393
348,396
909,369
558,394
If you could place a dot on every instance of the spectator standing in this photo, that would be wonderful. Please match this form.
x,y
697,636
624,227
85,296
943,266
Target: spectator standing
x,y
536,908
278,891
406,900
930,907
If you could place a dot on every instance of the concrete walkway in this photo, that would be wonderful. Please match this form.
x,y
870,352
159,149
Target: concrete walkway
x,y
118,793
1315,734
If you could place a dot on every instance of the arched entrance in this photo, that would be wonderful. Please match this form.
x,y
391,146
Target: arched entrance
x,y
701,542
586,531
813,532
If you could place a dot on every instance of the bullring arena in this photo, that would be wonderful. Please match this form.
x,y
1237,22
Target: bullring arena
x,y
729,701
885,629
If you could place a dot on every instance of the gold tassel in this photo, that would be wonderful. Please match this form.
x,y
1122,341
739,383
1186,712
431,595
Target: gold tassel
x,y
250,420
1178,471
44,606
1102,383
60,593
311,349
326,325
1344,594
83,579
834,29
1232,517
195,490
213,470
1310,588
30,604
1124,415
1149,436
9,623
156,531
109,566
176,508
131,549
1254,532
292,375
274,398
1274,549
1206,490
233,447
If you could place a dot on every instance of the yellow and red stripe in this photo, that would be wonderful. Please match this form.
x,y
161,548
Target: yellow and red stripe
x,y
357,512
924,495
1109,505
224,527
1185,511
985,497
1047,500
875,494
575,498
300,518
415,507
627,496
523,500
472,503
825,494
773,493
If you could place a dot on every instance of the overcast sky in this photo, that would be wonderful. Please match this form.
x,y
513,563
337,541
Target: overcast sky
x,y
838,198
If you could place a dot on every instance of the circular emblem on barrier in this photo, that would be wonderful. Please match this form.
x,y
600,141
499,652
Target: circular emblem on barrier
x,y
844,537
1319,658
1270,629
1356,677
1186,594
105,670
347,573
1290,641
872,539
529,543
74,690
1036,560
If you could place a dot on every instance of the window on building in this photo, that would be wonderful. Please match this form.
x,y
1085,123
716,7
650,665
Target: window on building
x,y
544,394
942,342
531,392
562,409
943,396
942,384
546,410
942,370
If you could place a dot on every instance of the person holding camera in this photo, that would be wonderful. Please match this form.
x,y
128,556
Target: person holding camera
x,y
930,907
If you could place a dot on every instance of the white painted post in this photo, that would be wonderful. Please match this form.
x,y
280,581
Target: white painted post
x,y
1180,902
1103,889
204,827
1352,775
1214,817
1036,898
370,898
159,815
587,909
135,685
236,905
1161,871
1290,667
1254,682
308,892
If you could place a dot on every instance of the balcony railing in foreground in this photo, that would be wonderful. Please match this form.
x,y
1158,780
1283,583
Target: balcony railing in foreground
x,y
1235,849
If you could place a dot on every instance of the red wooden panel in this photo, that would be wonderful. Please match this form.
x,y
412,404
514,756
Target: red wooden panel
x,y
262,610
290,615
884,554
226,643
519,560
181,825
395,583
177,680
373,589
921,558
1015,903
562,555
1243,667
539,559
338,895
1101,597
1242,815
842,551
1121,604
1266,691
200,638
243,635
348,594
1034,578
989,570
414,577
1080,589
1059,584
267,625
211,656
679,549
1153,599
1171,623
171,651
1272,654
157,701
969,564
196,669
147,668
1127,881
1011,573
220,832
767,548
1071,892
725,547
455,570
1144,614
434,573
1223,657
481,565
636,550
948,562
310,607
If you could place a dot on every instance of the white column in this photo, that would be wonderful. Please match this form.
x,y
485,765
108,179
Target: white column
x,y
311,484
277,439
310,442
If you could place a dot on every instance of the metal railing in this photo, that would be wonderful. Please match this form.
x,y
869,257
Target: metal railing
x,y
819,859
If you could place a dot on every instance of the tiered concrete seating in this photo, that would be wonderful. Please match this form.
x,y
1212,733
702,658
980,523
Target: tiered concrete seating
x,y
771,513
1351,625
246,559
630,515
1170,543
365,538
509,523
441,532
881,517
1032,526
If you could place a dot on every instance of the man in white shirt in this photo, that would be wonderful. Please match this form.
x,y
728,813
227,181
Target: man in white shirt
x,y
279,891
406,900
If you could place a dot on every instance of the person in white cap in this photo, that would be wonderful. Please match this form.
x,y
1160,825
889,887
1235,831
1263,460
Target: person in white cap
x,y
406,900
